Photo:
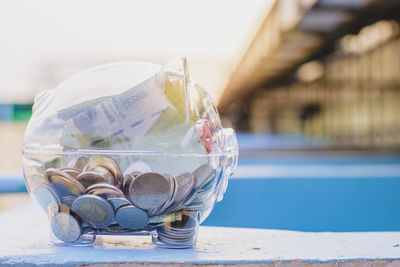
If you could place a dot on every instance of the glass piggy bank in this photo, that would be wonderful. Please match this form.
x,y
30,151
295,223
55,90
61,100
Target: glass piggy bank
x,y
129,148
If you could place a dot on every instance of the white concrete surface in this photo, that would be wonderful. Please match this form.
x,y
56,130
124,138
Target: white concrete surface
x,y
24,241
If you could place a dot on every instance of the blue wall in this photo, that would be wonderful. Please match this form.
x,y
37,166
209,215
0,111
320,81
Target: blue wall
x,y
310,204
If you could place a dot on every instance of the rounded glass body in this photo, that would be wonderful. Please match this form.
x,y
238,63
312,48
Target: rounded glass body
x,y
128,148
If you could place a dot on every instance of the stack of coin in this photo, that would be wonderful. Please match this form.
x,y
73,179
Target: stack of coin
x,y
107,164
92,192
182,231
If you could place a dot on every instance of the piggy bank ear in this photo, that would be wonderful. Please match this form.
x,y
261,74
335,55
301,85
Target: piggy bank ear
x,y
231,151
174,78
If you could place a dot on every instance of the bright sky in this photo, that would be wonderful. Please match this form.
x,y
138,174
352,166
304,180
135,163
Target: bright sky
x,y
43,42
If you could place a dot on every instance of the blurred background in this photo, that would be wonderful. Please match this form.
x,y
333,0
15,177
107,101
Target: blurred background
x,y
311,86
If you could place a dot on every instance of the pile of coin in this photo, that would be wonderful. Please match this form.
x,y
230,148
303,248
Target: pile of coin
x,y
93,193
181,231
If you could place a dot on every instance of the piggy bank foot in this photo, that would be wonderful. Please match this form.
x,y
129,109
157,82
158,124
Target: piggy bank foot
x,y
178,234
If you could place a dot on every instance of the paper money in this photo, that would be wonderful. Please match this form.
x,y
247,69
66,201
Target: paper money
x,y
75,110
130,115
146,117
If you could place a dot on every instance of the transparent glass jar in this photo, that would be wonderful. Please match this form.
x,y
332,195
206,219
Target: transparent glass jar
x,y
129,148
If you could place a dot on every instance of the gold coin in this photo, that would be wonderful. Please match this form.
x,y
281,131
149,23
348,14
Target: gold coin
x,y
52,171
106,192
63,208
70,183
105,173
93,189
90,178
109,164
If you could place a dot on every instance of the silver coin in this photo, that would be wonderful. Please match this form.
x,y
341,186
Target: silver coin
x,y
45,196
197,205
169,238
184,185
109,164
202,201
65,227
68,200
94,210
170,200
117,202
128,179
90,178
174,234
149,190
136,173
177,241
178,205
131,217
178,232
210,186
189,199
203,174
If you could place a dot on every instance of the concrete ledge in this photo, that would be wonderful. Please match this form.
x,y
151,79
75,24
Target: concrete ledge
x,y
24,242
